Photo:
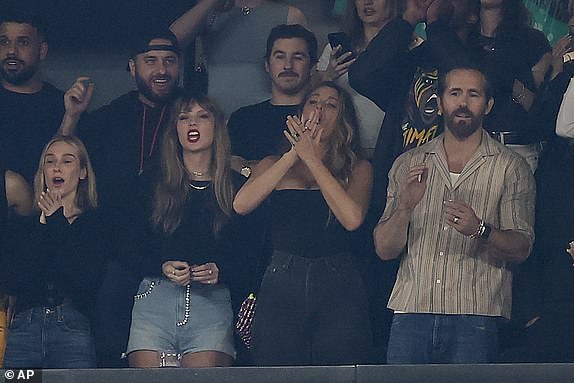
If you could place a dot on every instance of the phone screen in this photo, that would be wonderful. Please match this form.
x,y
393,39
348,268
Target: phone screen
x,y
341,38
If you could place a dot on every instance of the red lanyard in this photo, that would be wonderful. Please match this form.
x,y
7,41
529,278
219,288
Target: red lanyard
x,y
142,148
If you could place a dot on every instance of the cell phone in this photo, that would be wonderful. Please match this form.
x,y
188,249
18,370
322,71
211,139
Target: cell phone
x,y
342,39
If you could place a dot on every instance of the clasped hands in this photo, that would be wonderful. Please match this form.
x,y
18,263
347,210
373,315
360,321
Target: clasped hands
x,y
49,202
305,136
182,273
457,214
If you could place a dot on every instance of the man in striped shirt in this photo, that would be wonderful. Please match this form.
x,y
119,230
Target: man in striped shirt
x,y
460,211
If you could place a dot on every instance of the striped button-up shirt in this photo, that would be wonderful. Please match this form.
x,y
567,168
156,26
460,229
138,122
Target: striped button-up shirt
x,y
442,270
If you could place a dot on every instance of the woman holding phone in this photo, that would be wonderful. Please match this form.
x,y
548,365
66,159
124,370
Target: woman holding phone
x,y
312,304
362,21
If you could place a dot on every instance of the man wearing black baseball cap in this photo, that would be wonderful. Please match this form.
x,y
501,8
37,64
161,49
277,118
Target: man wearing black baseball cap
x,y
123,140
123,136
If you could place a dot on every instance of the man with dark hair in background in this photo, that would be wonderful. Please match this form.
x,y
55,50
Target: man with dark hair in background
x,y
31,108
256,131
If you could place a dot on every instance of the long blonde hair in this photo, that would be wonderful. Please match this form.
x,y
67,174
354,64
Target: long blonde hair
x,y
172,189
86,194
343,148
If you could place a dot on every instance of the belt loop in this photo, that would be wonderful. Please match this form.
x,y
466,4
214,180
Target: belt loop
x,y
59,312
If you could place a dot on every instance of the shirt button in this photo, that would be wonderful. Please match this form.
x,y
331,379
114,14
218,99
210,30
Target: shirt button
x,y
438,281
441,253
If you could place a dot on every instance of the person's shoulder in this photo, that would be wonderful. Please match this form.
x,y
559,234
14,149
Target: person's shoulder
x,y
504,153
251,109
129,98
50,89
118,106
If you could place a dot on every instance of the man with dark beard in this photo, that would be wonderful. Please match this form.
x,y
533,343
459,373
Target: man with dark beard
x,y
123,137
459,211
123,140
31,110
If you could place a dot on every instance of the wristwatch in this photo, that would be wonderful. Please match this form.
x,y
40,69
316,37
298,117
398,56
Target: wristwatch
x,y
485,233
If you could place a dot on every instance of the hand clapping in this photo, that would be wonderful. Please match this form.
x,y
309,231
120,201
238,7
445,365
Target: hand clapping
x,y
49,202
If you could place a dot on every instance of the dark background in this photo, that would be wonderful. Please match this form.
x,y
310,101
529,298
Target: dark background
x,y
82,24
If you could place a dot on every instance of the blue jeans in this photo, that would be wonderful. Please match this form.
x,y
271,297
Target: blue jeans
x,y
432,338
50,338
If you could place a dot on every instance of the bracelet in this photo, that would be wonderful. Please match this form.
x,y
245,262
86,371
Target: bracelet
x,y
521,95
479,231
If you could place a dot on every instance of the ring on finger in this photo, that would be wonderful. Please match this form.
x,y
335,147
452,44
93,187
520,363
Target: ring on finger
x,y
455,219
210,272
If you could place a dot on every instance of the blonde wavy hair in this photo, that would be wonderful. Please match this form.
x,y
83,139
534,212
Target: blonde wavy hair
x,y
343,148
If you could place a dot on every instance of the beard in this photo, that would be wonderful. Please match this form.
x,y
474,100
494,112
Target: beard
x,y
146,89
19,77
465,128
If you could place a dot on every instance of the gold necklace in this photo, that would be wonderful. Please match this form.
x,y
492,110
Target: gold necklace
x,y
199,174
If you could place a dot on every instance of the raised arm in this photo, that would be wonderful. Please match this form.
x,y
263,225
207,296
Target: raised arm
x,y
18,194
405,192
188,25
350,204
264,178
378,70
76,101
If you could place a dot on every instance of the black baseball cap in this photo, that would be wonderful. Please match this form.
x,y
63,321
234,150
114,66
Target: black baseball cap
x,y
141,42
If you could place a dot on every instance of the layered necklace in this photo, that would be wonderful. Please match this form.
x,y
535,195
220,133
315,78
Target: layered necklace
x,y
199,184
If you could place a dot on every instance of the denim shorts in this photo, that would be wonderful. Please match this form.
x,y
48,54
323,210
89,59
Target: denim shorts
x,y
185,319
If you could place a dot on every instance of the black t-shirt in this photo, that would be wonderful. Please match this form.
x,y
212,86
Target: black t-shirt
x,y
256,131
27,123
507,57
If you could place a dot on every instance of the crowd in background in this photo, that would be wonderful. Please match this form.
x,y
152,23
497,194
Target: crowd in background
x,y
367,193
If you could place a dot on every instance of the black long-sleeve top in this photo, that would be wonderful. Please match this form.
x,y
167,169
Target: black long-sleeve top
x,y
60,261
236,249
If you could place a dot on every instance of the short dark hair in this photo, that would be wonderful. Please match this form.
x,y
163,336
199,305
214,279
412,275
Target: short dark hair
x,y
441,87
24,15
292,31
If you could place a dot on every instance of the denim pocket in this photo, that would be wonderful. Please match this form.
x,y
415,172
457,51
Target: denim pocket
x,y
145,289
21,321
480,323
73,320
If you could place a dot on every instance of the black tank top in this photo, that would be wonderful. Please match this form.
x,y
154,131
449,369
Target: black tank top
x,y
301,225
